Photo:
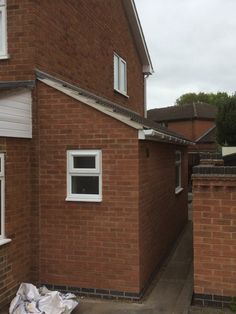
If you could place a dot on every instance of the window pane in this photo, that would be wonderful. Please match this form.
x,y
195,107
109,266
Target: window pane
x,y
122,77
116,72
85,185
177,176
84,162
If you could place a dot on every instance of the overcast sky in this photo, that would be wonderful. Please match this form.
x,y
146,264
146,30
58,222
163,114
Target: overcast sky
x,y
192,44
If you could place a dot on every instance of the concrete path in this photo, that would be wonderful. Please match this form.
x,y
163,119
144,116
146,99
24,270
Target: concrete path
x,y
171,293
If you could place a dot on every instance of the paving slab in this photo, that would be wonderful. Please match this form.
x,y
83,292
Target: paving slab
x,y
200,310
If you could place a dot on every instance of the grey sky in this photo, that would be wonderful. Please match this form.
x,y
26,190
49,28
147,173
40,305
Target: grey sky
x,y
192,44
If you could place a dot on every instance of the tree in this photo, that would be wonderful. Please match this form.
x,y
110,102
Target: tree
x,y
226,122
209,98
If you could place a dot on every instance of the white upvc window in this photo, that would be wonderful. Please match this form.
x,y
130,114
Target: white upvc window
x,y
2,197
84,175
3,29
120,75
178,167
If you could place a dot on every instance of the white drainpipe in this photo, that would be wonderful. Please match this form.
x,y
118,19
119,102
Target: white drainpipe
x,y
145,94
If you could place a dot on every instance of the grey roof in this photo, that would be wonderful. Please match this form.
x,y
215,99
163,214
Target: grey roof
x,y
208,137
132,115
183,112
16,84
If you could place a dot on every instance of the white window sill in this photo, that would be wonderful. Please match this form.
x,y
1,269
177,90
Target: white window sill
x,y
178,190
4,241
119,92
76,199
3,57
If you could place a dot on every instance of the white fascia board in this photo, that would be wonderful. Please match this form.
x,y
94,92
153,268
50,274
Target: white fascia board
x,y
138,34
159,136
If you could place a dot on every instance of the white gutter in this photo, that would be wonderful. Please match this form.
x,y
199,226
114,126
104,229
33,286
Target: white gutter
x,y
159,136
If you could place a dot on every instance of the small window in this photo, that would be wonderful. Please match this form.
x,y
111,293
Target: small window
x,y
2,197
3,29
178,185
120,75
84,177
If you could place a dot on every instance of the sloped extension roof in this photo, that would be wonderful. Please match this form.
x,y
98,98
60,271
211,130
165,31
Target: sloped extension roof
x,y
208,137
184,112
137,31
147,129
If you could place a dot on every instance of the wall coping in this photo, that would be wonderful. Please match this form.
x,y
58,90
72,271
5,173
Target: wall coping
x,y
212,171
215,156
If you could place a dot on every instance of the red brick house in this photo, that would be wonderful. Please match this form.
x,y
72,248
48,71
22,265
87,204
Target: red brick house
x,y
93,194
194,121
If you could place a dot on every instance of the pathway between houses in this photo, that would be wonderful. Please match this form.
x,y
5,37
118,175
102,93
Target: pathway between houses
x,y
171,293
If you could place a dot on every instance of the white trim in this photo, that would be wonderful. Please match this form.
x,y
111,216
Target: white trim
x,y
2,179
3,10
74,172
138,34
178,190
154,135
121,80
4,241
178,163
118,91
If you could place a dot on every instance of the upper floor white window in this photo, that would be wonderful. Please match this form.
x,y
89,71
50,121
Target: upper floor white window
x,y
2,197
120,74
84,175
3,29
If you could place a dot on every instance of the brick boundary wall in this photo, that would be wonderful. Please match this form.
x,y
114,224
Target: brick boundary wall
x,y
214,234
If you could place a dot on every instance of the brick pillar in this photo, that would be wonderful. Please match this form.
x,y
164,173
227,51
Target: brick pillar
x,y
214,221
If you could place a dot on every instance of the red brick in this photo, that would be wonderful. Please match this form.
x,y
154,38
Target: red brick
x,y
221,220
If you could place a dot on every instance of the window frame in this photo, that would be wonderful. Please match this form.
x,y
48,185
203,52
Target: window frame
x,y
117,76
178,163
3,10
84,172
2,191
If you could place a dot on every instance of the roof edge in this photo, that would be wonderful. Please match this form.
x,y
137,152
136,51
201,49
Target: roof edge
x,y
132,13
116,111
204,134
156,135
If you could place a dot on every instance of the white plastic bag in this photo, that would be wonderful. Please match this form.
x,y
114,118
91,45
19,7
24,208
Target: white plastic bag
x,y
31,300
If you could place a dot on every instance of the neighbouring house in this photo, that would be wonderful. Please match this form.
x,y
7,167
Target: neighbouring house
x,y
194,121
93,194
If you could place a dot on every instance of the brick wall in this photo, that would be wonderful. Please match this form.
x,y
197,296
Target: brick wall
x,y
214,218
201,126
162,213
74,40
21,39
82,244
15,257
81,39
191,129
